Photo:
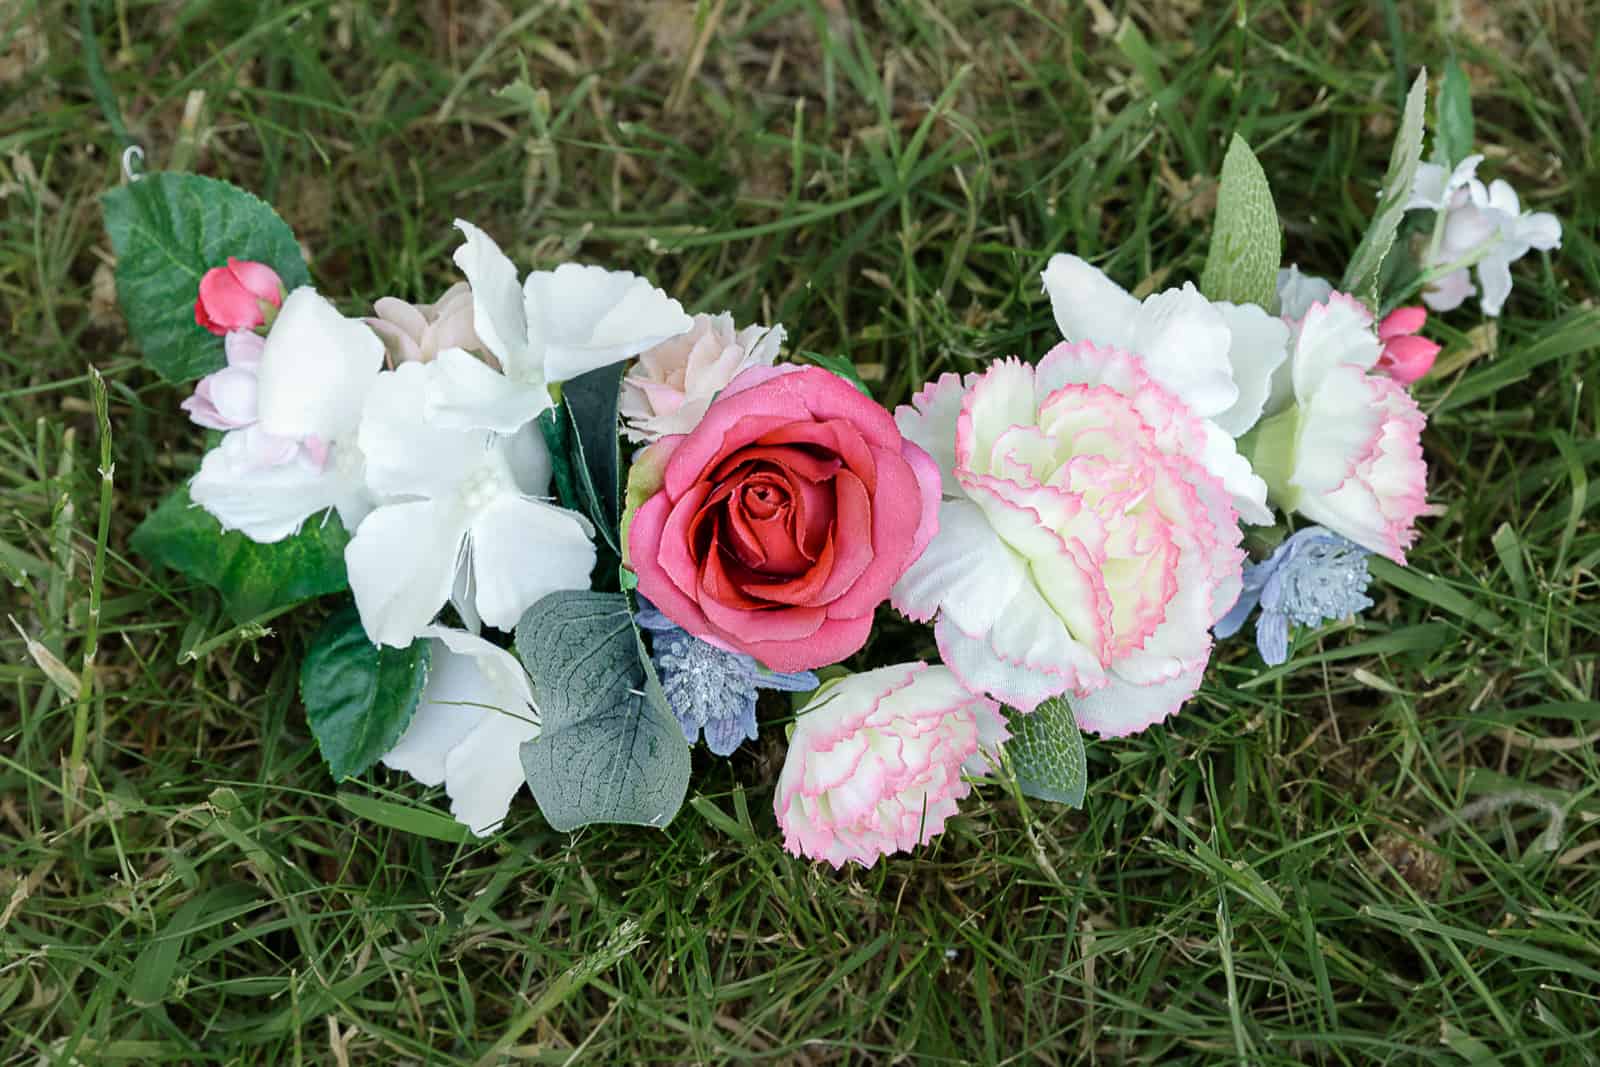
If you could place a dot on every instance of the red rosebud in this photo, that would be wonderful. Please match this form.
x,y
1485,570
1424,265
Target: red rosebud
x,y
236,297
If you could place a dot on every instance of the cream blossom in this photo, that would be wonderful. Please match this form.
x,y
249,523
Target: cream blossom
x,y
1344,448
1216,357
299,455
476,710
1482,226
1083,546
673,383
875,762
462,518
556,325
417,333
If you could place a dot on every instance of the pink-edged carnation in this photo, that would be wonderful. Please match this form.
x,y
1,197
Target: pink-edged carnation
x,y
782,520
1407,355
876,760
237,296
1346,449
1083,547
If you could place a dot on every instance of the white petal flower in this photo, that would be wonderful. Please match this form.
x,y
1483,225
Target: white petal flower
x,y
464,501
250,485
555,326
315,369
476,711
1217,357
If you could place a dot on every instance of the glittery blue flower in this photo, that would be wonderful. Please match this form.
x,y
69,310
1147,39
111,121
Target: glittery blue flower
x,y
1315,576
708,688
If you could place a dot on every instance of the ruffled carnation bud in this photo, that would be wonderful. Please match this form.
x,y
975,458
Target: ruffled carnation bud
x,y
416,333
238,296
669,389
875,762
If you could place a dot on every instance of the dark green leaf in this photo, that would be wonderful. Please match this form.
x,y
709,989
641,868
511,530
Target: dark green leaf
x,y
1366,265
168,230
1246,241
1453,133
359,696
840,365
556,429
252,578
591,404
1046,753
608,751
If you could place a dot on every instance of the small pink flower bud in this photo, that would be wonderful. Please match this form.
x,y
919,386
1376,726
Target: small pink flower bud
x,y
237,296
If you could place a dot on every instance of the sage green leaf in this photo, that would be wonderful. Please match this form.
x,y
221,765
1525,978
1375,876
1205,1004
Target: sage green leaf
x,y
252,578
359,696
1046,753
1361,278
168,229
1453,126
842,366
1246,241
609,750
591,404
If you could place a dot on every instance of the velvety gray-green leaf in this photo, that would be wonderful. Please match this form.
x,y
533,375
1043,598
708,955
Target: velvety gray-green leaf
x,y
1366,265
1246,241
359,697
591,403
1453,126
1046,753
168,229
252,578
609,750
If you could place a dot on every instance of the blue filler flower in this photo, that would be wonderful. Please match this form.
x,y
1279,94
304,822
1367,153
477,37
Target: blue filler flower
x,y
1315,576
708,688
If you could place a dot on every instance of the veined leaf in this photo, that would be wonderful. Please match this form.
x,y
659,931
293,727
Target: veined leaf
x,y
169,229
590,401
359,696
1046,752
1453,132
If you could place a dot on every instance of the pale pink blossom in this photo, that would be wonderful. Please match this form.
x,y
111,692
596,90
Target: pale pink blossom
x,y
416,333
670,387
226,399
1407,355
1345,450
875,762
1084,548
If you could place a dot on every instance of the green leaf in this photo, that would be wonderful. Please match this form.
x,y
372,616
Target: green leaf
x,y
591,403
609,750
1246,241
168,230
1046,753
1453,126
840,365
252,578
1361,278
556,429
407,818
359,696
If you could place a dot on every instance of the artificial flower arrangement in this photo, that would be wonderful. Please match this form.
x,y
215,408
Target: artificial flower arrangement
x,y
569,530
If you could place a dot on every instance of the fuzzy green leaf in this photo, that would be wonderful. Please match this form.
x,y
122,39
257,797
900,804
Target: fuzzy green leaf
x,y
359,697
169,229
252,578
1046,753
1453,126
1246,242
609,750
1366,266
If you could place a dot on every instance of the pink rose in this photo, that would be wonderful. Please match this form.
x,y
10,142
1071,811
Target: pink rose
x,y
875,762
669,388
784,518
236,297
1406,357
1084,548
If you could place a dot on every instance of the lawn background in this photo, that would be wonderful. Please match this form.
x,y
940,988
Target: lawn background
x,y
1385,852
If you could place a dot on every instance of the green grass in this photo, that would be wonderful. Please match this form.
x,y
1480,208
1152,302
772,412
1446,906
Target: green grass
x,y
1384,855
